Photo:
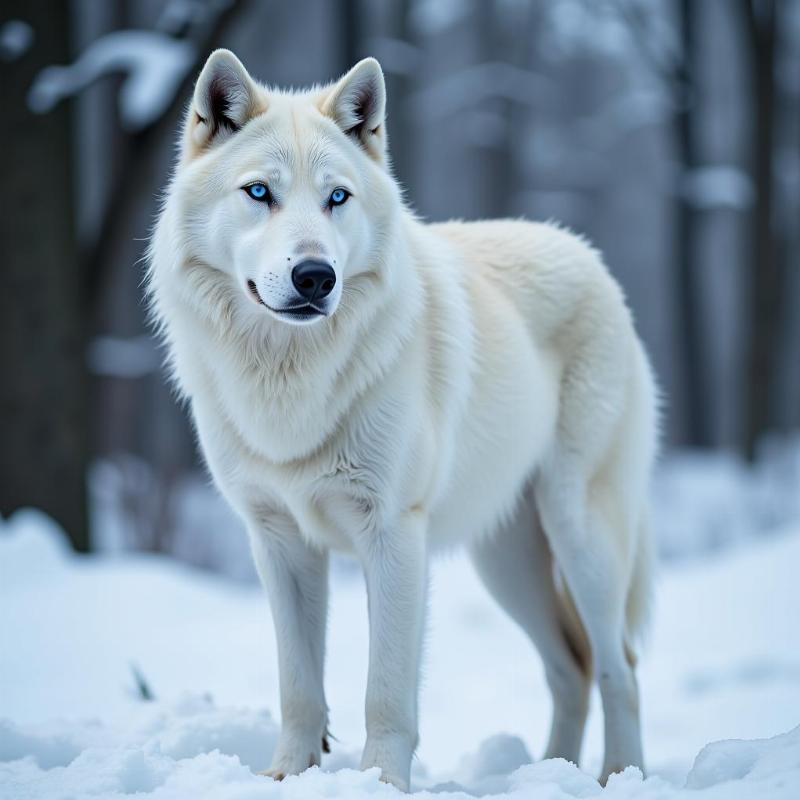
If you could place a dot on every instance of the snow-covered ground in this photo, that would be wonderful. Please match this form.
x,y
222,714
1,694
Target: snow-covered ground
x,y
723,663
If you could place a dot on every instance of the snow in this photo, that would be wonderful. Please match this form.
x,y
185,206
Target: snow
x,y
16,38
618,30
579,26
723,663
154,65
718,186
472,86
434,17
706,500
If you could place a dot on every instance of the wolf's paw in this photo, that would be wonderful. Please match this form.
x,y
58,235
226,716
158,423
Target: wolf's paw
x,y
395,781
295,756
290,765
273,773
613,769
392,754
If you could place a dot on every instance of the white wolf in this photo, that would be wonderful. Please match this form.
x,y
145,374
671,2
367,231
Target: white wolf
x,y
362,381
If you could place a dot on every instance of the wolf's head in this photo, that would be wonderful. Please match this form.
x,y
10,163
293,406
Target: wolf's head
x,y
286,197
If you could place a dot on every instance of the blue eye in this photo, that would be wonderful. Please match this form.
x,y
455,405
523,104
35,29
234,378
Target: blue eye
x,y
338,197
258,191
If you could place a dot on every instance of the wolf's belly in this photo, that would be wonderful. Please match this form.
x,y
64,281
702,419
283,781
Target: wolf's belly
x,y
507,428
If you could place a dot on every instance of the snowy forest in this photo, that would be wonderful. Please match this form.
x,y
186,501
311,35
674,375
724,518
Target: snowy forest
x,y
667,132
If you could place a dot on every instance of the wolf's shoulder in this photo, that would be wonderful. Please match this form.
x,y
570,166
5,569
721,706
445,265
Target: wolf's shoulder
x,y
545,270
521,243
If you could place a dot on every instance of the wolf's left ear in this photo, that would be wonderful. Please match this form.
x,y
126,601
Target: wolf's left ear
x,y
357,104
225,98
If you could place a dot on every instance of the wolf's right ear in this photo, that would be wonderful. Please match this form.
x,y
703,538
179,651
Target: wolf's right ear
x,y
225,98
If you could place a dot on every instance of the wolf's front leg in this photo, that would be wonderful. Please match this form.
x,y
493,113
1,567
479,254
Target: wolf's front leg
x,y
296,579
395,567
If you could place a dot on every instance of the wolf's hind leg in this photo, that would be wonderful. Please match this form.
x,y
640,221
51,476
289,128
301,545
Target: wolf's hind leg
x,y
588,533
515,565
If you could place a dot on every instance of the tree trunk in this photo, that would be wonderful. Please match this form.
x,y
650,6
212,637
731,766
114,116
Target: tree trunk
x,y
764,277
688,287
43,391
398,89
137,174
498,177
351,33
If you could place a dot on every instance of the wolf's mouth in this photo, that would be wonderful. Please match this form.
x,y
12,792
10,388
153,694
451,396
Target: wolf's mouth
x,y
304,310
298,311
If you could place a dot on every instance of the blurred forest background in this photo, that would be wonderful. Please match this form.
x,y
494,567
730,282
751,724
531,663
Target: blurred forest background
x,y
666,131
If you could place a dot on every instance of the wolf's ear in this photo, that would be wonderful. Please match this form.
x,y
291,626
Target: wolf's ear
x,y
357,104
225,98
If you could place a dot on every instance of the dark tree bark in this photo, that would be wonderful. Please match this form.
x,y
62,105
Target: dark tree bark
x,y
351,34
398,88
138,175
498,176
679,77
759,17
683,83
688,284
43,390
46,312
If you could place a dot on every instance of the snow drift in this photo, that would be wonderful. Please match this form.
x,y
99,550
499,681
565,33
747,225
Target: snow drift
x,y
723,663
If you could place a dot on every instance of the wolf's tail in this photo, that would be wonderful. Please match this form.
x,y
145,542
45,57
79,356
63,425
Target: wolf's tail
x,y
639,603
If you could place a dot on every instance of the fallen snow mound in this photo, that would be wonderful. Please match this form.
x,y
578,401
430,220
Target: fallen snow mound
x,y
194,750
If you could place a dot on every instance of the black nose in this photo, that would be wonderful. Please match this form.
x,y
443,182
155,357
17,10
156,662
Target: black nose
x,y
313,279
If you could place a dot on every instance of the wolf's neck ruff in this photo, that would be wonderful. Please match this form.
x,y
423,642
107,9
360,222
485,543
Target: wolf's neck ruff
x,y
278,376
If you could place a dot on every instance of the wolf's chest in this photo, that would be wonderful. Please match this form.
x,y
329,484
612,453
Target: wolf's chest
x,y
348,485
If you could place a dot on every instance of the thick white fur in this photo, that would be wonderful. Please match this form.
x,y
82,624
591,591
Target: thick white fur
x,y
476,383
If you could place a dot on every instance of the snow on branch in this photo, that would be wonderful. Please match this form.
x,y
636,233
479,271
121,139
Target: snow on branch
x,y
473,85
717,186
153,63
16,37
434,17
